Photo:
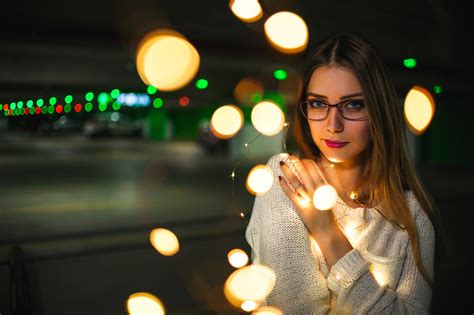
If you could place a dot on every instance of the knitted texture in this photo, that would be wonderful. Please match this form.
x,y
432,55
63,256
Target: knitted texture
x,y
379,275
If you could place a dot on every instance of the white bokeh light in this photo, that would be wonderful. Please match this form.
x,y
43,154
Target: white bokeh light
x,y
267,310
260,179
143,303
419,109
237,258
246,10
166,60
164,241
325,197
226,121
250,283
287,32
267,118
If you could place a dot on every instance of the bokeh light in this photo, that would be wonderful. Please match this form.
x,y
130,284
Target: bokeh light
x,y
237,258
249,306
409,63
267,118
246,10
260,179
184,101
419,109
157,102
151,90
287,32
166,60
143,303
250,283
280,74
202,84
325,197
267,310
164,241
245,90
226,121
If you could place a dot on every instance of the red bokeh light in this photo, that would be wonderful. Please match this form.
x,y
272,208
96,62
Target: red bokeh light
x,y
184,101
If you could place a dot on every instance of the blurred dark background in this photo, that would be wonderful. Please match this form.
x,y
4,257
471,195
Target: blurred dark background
x,y
81,190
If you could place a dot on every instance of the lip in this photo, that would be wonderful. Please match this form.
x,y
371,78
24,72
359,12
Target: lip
x,y
335,144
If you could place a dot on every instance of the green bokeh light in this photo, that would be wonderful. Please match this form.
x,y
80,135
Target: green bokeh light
x,y
40,102
115,105
44,110
151,90
67,108
88,107
280,74
103,98
51,109
19,104
52,101
13,106
158,103
29,104
102,107
68,99
115,93
256,97
202,84
410,63
89,96
437,89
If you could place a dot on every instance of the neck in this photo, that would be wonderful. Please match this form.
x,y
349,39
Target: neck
x,y
345,176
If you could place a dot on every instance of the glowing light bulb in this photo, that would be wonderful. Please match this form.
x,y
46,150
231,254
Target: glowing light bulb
x,y
164,241
249,306
419,109
250,283
237,258
246,10
143,303
267,118
325,197
226,121
267,310
287,32
260,180
166,60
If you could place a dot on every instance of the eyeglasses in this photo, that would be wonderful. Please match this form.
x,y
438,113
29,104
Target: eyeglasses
x,y
349,109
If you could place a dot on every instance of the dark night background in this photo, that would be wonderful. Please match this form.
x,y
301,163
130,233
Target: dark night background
x,y
76,211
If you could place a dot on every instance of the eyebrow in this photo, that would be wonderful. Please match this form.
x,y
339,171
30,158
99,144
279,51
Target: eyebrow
x,y
342,97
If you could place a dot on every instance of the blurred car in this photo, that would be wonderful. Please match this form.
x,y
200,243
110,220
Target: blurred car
x,y
112,124
66,124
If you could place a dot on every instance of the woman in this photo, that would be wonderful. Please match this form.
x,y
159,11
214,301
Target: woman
x,y
374,251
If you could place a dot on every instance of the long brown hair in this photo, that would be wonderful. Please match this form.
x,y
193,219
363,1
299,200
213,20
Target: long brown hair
x,y
388,171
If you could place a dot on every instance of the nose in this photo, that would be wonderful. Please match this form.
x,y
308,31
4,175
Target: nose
x,y
334,120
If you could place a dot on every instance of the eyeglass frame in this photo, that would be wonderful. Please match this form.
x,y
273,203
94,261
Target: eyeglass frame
x,y
329,107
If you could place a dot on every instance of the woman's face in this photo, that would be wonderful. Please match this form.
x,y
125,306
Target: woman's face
x,y
339,140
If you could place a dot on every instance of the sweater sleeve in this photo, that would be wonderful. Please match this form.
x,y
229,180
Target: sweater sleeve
x,y
359,293
280,241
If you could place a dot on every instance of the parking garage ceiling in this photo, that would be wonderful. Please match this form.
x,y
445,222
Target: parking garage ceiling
x,y
51,45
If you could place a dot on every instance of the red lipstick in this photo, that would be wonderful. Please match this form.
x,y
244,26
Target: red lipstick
x,y
334,143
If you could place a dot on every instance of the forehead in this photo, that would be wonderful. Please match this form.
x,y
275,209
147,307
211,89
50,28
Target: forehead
x,y
333,82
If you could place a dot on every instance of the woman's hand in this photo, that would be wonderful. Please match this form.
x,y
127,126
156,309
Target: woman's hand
x,y
320,224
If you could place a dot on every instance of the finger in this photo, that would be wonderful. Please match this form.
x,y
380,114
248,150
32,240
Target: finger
x,y
300,168
293,182
315,172
287,190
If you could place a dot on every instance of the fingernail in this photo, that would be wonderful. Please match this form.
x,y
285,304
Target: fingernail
x,y
279,177
281,163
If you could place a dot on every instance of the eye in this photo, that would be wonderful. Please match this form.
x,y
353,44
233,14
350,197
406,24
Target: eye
x,y
354,105
317,104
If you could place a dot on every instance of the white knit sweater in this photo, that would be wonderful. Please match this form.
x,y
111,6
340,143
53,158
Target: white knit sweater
x,y
379,275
